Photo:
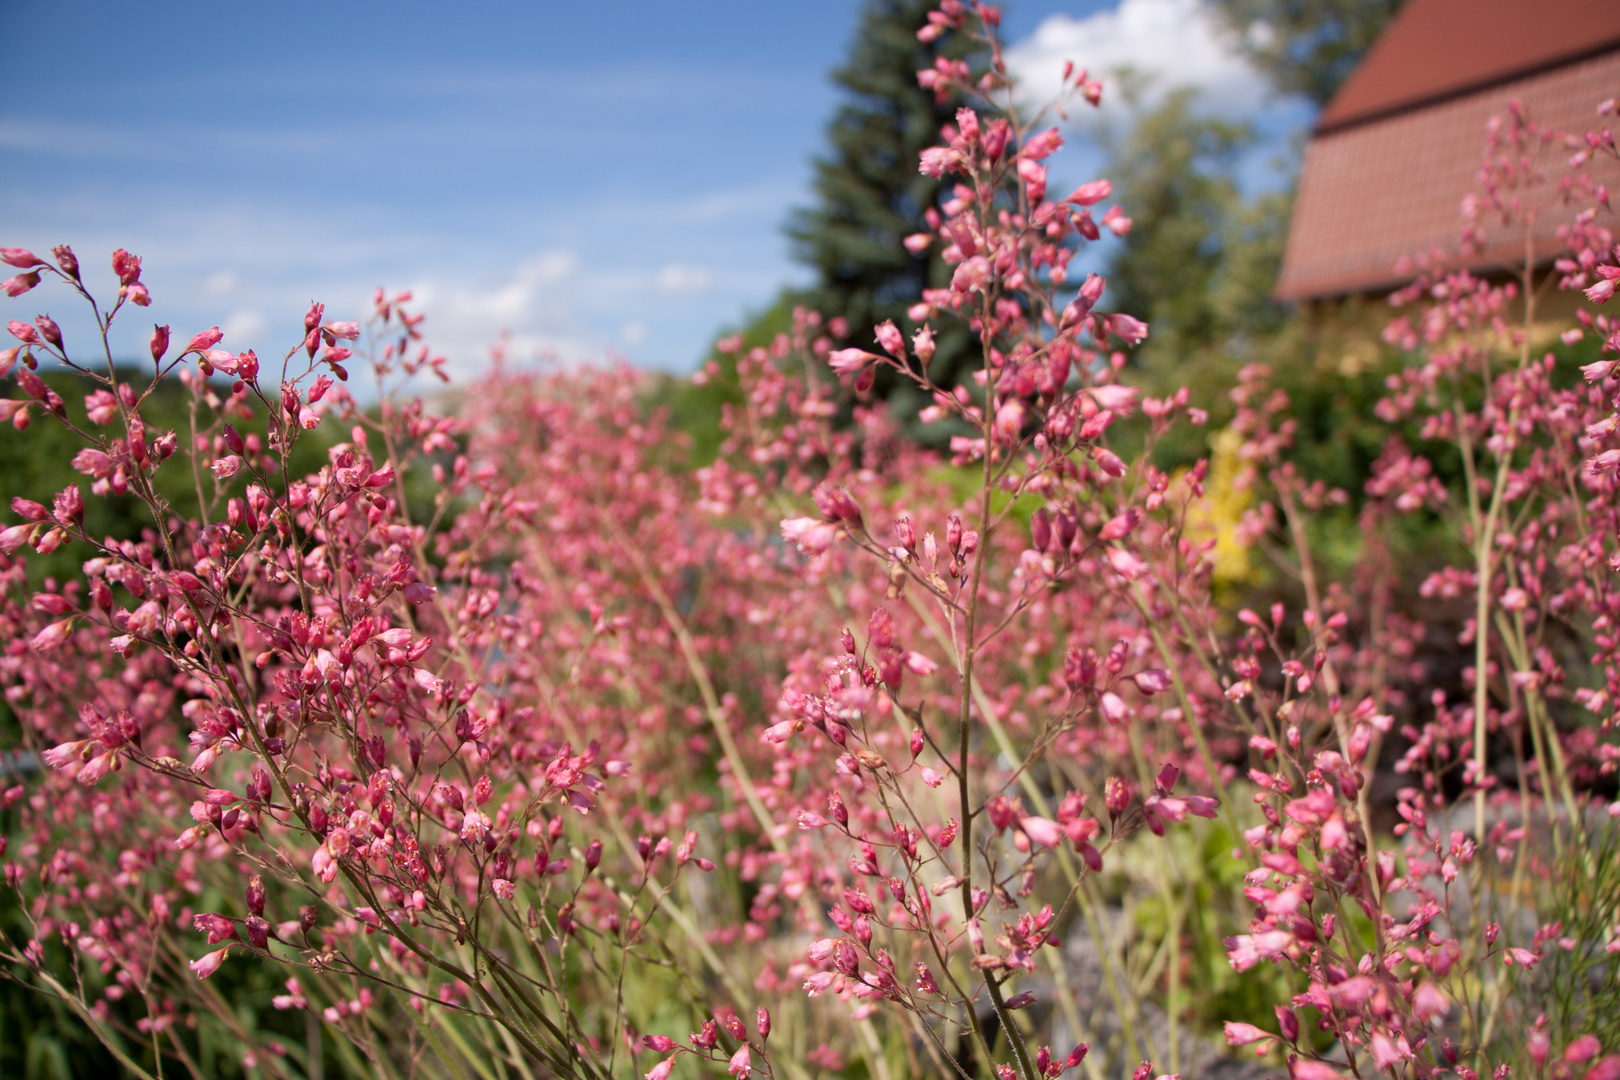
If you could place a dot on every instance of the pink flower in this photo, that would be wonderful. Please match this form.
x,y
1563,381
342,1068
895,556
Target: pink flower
x,y
1386,1052
53,635
1600,291
205,340
1092,193
1042,831
1043,145
811,536
662,1070
1111,465
1607,1069
14,537
849,361
972,275
1126,565
1113,708
21,258
1246,950
1128,328
891,339
16,286
97,767
1243,1034
209,963
741,1062
64,754
1153,680
1523,957
936,161
1582,1050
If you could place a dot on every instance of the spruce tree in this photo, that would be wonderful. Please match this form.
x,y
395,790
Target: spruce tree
x,y
870,196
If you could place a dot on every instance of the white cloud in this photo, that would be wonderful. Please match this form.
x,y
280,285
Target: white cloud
x,y
680,278
538,305
244,326
1173,43
222,283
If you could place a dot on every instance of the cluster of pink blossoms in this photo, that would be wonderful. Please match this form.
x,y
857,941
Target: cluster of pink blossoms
x,y
505,722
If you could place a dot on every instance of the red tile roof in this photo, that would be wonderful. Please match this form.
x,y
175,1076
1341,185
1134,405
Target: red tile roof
x,y
1400,146
1435,49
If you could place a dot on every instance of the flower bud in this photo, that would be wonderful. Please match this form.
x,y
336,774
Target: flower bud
x,y
159,342
1040,530
1116,796
20,284
922,343
1287,1022
68,261
762,1022
49,330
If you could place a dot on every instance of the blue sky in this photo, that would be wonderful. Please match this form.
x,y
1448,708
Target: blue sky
x,y
595,178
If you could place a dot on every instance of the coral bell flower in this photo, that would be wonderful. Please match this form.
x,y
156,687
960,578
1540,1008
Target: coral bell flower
x,y
209,963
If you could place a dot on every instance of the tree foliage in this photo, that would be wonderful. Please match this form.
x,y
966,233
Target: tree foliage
x,y
869,194
1201,260
1307,46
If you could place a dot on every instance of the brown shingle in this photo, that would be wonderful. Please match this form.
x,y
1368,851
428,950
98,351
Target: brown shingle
x,y
1383,188
1436,49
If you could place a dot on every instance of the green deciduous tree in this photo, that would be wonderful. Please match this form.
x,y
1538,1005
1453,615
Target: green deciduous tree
x,y
1307,46
1201,260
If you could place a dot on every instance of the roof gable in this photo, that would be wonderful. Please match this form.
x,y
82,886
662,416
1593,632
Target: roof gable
x,y
1439,49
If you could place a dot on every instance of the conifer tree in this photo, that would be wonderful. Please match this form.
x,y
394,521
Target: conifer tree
x,y
870,196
